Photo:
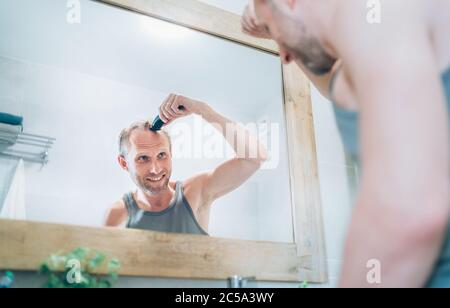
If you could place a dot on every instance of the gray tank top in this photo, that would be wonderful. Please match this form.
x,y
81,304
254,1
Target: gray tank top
x,y
177,218
348,124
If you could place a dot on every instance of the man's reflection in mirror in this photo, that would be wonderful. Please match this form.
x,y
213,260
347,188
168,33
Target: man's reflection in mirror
x,y
163,204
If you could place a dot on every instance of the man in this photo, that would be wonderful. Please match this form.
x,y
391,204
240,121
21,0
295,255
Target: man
x,y
394,78
160,204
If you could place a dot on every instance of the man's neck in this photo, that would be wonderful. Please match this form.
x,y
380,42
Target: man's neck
x,y
155,202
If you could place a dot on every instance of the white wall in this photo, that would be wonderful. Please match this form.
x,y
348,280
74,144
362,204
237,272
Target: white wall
x,y
274,188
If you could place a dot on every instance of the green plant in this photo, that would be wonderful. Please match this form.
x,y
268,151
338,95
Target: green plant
x,y
6,280
79,269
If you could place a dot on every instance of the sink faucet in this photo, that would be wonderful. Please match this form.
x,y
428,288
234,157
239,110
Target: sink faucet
x,y
238,282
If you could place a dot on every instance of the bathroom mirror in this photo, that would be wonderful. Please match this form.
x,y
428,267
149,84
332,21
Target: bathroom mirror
x,y
82,83
81,71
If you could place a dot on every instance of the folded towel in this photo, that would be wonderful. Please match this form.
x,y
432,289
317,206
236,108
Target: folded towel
x,y
11,119
14,129
8,135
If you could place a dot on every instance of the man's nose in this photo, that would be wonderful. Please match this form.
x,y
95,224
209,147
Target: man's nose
x,y
154,168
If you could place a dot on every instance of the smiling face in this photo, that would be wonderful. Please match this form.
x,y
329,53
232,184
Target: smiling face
x,y
148,160
286,23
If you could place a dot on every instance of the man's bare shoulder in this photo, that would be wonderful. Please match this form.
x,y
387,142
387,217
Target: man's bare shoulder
x,y
118,205
117,214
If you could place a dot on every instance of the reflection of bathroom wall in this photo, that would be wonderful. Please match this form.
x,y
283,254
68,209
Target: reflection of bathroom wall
x,y
273,184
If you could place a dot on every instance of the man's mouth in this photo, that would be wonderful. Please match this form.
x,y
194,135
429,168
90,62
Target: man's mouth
x,y
156,179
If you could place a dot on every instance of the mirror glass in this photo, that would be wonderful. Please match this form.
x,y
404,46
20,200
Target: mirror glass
x,y
74,74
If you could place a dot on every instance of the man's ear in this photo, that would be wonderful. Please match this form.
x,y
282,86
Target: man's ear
x,y
122,162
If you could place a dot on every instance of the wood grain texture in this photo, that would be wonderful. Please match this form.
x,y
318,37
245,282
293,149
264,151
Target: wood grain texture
x,y
198,16
305,185
25,245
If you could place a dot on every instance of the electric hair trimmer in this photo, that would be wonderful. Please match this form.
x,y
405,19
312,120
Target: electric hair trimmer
x,y
158,123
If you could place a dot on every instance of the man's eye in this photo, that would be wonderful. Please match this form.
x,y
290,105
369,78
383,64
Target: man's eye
x,y
162,155
143,158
